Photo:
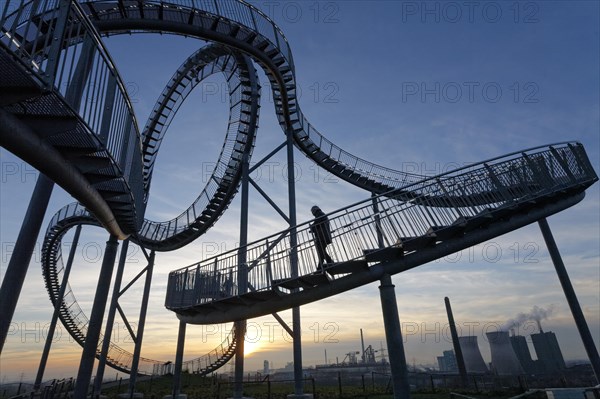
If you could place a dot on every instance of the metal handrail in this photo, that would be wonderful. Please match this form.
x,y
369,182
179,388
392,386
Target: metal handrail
x,y
238,131
69,57
70,311
222,352
236,11
504,182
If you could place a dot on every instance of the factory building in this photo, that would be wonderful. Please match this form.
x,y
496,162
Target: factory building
x,y
447,362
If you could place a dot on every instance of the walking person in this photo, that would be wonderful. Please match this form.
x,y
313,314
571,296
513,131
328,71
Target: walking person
x,y
322,235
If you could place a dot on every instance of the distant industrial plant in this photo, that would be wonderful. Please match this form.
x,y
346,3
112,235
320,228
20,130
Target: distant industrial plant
x,y
510,354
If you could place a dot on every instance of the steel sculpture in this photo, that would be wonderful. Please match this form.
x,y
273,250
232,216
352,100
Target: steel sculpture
x,y
61,95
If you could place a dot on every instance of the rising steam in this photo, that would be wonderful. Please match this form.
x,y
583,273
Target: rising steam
x,y
536,314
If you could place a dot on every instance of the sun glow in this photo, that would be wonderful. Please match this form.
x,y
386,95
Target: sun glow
x,y
252,347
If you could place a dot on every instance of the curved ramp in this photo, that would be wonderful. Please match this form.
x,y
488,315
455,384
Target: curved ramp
x,y
76,321
384,236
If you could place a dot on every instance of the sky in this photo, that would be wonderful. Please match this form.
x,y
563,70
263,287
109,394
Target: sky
x,y
419,86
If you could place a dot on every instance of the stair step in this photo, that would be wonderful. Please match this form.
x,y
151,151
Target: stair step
x,y
261,296
443,233
13,95
482,218
289,284
311,280
415,243
383,254
352,266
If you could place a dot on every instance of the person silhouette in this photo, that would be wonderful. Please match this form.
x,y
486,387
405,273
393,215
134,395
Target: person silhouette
x,y
322,235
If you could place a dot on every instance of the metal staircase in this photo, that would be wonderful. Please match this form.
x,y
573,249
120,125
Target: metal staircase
x,y
385,235
67,101
62,96
234,24
76,321
237,24
215,359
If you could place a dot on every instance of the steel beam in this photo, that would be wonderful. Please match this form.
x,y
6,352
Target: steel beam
x,y
141,324
179,360
57,305
375,272
296,327
22,141
240,326
565,282
24,247
110,319
460,361
88,356
393,337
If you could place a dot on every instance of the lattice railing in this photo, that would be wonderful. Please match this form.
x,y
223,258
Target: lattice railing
x,y
490,186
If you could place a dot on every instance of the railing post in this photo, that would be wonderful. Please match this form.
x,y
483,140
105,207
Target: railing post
x,y
109,106
269,269
74,93
58,35
57,305
377,218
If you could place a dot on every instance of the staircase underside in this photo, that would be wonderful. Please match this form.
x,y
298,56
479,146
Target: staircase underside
x,y
341,277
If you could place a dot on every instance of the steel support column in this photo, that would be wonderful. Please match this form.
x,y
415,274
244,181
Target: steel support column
x,y
393,337
240,326
24,247
179,360
95,324
139,337
565,282
57,305
296,327
110,319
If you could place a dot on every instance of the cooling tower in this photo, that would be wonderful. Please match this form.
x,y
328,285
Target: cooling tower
x,y
519,344
473,359
548,352
504,359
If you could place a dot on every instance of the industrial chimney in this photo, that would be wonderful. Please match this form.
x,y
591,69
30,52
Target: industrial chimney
x,y
504,359
472,355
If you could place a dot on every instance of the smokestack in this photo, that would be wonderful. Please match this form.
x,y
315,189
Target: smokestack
x,y
325,356
460,361
504,359
473,360
362,344
539,323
